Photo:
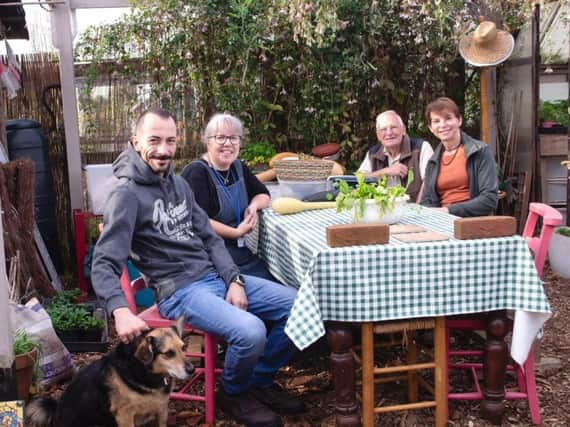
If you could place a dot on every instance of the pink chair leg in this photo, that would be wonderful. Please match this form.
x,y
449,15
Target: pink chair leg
x,y
521,380
530,384
210,347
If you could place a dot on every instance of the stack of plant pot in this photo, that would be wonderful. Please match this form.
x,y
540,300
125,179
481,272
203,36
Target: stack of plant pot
x,y
26,351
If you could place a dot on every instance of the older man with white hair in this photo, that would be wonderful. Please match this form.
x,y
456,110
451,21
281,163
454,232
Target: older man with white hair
x,y
396,153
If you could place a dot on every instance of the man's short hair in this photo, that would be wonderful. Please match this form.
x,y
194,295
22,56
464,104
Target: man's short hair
x,y
388,113
216,121
442,104
157,111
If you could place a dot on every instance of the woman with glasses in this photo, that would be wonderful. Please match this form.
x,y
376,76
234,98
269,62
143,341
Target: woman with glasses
x,y
228,191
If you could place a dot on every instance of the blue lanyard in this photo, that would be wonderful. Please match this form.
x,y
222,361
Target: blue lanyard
x,y
236,202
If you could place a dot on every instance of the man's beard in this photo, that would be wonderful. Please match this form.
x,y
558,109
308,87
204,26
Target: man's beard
x,y
162,158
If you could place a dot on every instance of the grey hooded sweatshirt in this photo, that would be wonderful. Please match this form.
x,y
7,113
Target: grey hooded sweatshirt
x,y
156,222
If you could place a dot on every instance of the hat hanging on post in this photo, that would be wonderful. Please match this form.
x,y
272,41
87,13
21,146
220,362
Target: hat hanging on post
x,y
486,46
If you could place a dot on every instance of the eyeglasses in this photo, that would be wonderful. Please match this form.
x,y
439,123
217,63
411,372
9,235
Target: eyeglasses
x,y
388,128
221,139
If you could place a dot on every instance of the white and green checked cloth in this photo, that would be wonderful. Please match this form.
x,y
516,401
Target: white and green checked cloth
x,y
399,280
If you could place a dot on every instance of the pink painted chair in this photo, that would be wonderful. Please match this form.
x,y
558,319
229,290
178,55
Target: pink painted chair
x,y
539,244
525,375
208,372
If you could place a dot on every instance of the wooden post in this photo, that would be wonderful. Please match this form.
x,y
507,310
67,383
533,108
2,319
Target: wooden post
x,y
62,38
487,83
489,128
535,174
484,115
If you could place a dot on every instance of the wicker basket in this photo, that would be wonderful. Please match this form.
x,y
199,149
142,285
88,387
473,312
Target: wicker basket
x,y
303,170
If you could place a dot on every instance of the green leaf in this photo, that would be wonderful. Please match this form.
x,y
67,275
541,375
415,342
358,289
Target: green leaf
x,y
274,107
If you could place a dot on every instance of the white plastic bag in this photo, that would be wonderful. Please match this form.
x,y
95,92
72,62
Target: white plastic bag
x,y
55,360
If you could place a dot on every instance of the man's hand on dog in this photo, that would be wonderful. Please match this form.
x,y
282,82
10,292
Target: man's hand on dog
x,y
236,296
128,325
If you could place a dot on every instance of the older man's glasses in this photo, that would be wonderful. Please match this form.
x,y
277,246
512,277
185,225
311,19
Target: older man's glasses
x,y
222,139
385,129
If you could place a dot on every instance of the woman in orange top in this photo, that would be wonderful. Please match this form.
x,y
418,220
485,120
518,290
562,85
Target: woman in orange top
x,y
461,176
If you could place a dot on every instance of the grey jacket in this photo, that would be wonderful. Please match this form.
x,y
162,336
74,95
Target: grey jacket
x,y
482,173
156,221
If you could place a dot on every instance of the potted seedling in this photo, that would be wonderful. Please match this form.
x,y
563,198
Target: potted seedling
x,y
73,322
26,352
373,202
553,116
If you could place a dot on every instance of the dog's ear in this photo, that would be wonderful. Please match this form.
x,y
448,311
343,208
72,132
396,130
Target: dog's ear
x,y
144,351
179,325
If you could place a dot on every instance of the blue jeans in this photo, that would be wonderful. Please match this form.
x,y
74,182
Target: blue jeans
x,y
256,267
253,356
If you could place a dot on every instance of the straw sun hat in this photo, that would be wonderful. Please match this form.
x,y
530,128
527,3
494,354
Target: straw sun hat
x,y
486,46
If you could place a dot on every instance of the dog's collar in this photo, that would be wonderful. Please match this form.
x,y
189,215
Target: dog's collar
x,y
167,383
159,381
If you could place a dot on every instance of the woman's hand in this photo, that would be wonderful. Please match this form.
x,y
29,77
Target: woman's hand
x,y
247,225
250,214
251,211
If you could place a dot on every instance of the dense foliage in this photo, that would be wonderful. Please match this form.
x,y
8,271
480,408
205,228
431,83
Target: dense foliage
x,y
298,72
554,111
257,152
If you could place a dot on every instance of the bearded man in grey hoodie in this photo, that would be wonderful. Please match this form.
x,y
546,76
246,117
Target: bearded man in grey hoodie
x,y
153,218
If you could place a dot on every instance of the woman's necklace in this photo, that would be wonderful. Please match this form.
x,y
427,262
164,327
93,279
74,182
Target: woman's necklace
x,y
451,157
225,178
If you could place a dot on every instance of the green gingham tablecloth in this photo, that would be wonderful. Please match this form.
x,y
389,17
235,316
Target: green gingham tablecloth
x,y
397,280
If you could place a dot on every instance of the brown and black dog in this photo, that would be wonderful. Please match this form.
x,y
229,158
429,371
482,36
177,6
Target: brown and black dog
x,y
126,387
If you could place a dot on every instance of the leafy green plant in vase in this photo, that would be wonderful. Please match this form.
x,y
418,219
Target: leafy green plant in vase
x,y
373,202
27,351
74,322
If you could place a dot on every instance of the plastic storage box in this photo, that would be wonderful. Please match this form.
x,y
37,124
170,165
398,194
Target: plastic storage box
x,y
100,182
300,189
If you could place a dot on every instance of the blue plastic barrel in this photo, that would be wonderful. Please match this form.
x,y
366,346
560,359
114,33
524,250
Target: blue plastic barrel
x,y
26,138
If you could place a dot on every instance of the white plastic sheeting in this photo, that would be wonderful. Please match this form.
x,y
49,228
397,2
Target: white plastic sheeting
x,y
6,350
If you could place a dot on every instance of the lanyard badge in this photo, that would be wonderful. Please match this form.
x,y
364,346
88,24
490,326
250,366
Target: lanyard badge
x,y
235,202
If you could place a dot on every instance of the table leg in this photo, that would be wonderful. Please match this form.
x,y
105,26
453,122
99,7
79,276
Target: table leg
x,y
495,363
339,335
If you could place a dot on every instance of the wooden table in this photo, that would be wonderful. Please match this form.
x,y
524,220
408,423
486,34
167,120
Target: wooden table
x,y
341,287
